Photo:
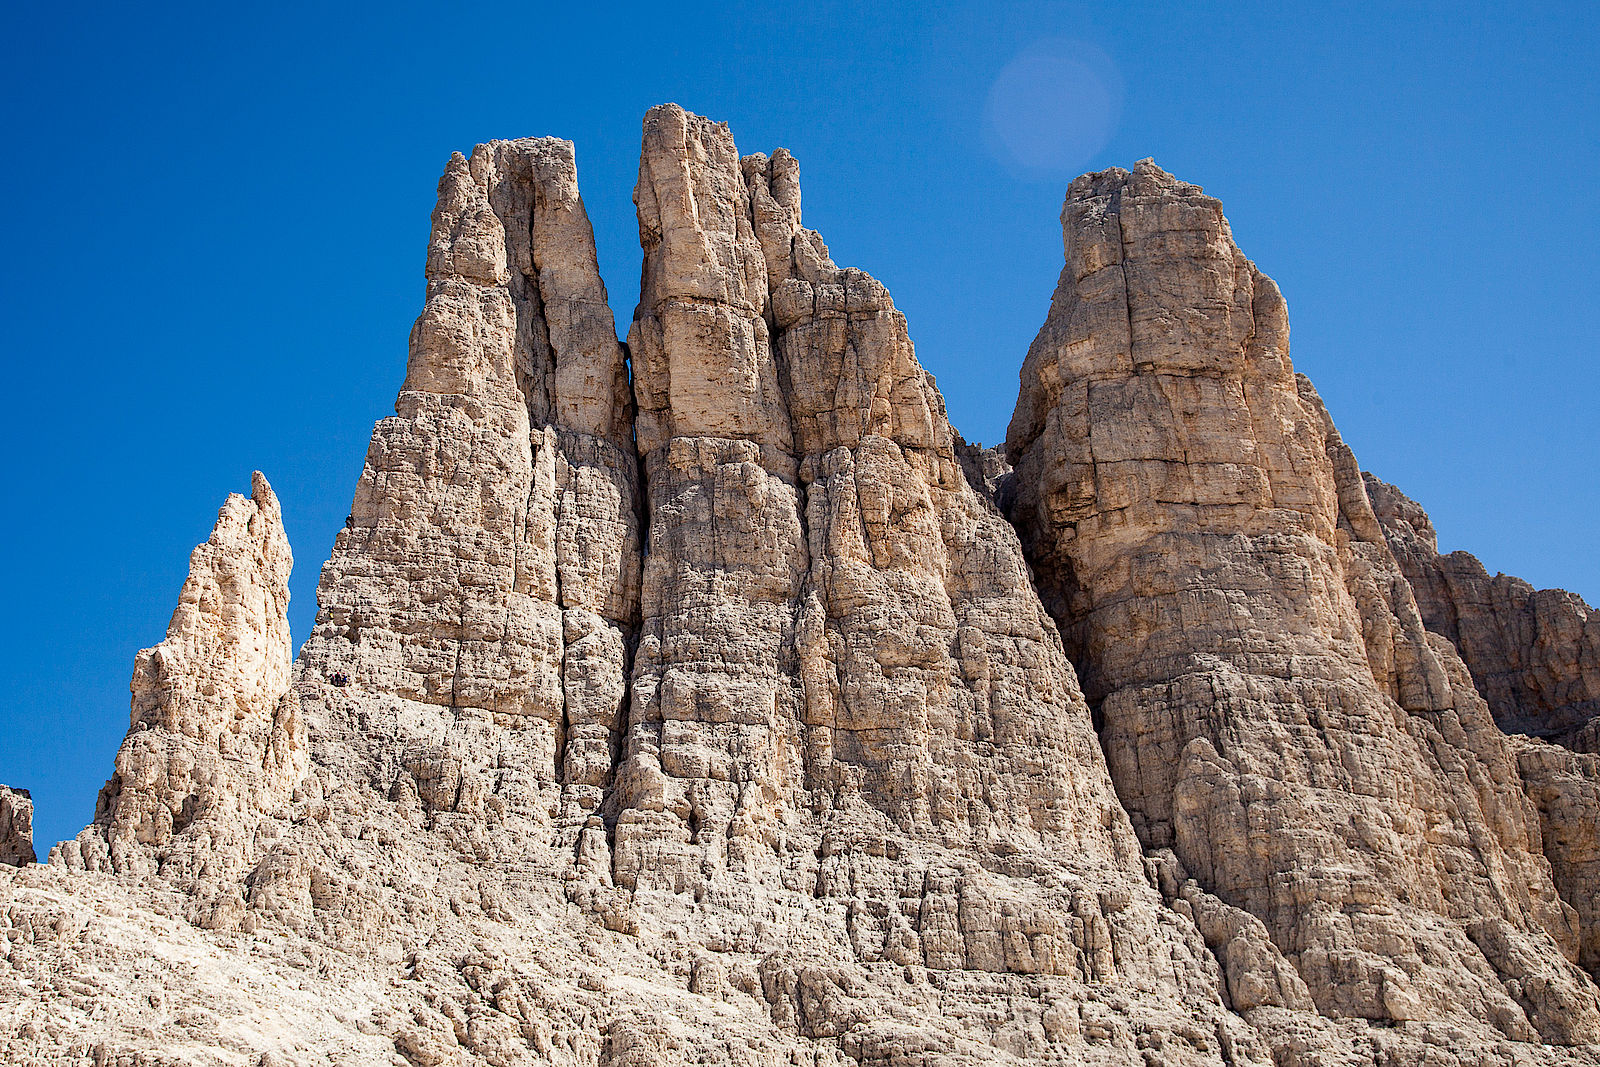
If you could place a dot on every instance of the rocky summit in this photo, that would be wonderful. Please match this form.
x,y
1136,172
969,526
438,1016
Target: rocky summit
x,y
707,699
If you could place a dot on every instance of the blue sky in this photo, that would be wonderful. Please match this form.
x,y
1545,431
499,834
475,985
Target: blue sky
x,y
219,215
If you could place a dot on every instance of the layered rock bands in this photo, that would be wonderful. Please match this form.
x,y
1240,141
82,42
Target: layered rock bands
x,y
706,699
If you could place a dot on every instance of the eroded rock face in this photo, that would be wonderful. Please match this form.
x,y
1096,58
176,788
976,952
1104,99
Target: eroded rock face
x,y
1565,786
846,694
214,745
16,827
485,589
712,716
1534,654
1273,711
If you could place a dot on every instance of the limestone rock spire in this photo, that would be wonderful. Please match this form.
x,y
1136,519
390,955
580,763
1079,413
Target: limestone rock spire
x,y
844,680
215,743
487,578
713,713
1274,716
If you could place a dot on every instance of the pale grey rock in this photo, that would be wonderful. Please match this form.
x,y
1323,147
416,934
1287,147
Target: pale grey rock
x,y
215,745
851,718
486,585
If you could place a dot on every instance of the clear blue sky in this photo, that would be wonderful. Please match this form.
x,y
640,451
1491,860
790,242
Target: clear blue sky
x,y
218,218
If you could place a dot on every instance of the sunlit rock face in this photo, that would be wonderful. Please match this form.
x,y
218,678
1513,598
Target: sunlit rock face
x,y
485,588
1534,654
693,700
1273,710
215,742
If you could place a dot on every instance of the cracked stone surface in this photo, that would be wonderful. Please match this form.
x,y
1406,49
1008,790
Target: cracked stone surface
x,y
695,701
215,744
1533,653
1274,712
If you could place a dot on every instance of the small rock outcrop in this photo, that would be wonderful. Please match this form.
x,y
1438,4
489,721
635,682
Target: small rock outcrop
x,y
16,827
707,699
1534,654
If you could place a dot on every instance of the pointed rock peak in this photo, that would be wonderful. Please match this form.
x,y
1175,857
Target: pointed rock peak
x,y
517,312
211,738
487,578
801,472
1204,539
746,328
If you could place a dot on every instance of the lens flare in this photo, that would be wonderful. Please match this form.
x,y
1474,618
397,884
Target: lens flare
x,y
1053,107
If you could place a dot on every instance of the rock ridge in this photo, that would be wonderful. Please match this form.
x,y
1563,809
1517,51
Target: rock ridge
x,y
1534,654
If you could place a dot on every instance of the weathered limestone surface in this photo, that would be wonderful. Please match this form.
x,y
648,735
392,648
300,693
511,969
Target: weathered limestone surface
x,y
16,827
850,711
712,715
214,744
1534,654
485,589
1272,709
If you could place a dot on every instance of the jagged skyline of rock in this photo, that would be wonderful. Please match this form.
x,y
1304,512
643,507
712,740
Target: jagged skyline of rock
x,y
1433,373
732,689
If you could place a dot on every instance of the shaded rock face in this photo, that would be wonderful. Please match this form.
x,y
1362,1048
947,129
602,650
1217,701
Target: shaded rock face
x,y
16,827
1272,709
713,714
1534,654
1565,786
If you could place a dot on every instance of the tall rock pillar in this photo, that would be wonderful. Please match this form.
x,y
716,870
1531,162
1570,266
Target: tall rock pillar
x,y
485,588
216,744
1271,709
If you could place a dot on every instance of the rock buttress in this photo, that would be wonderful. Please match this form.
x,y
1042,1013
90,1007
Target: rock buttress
x,y
1274,715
